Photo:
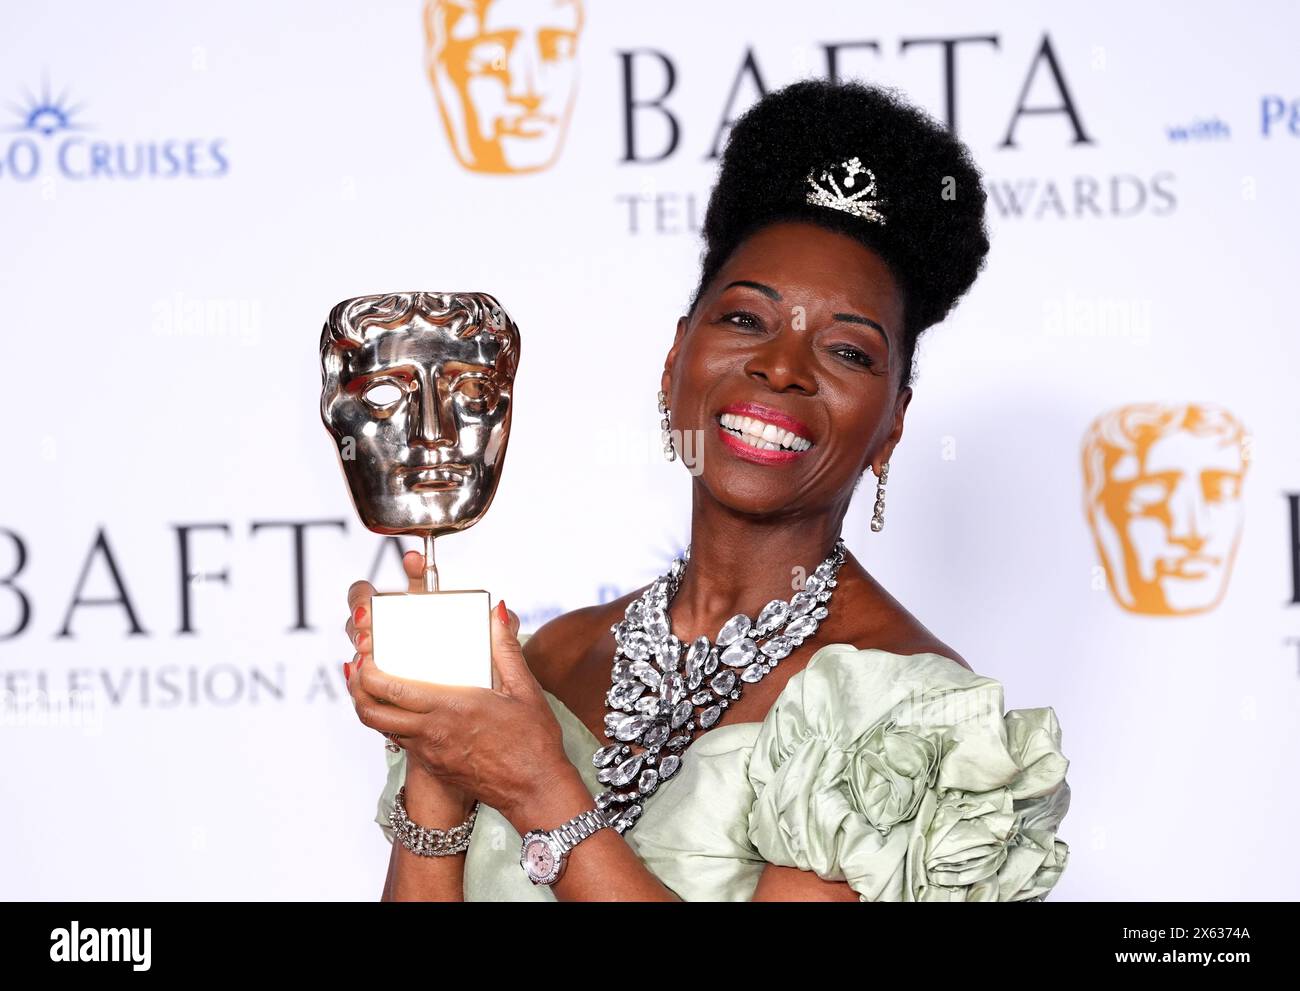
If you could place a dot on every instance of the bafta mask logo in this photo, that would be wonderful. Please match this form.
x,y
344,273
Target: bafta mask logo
x,y
505,74
1163,487
416,393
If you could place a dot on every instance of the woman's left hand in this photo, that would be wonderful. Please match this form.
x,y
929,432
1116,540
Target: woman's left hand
x,y
502,745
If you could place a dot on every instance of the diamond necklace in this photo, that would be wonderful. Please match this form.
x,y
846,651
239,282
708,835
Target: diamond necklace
x,y
657,686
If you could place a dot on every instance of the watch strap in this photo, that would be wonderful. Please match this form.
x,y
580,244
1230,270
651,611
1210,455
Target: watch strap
x,y
577,829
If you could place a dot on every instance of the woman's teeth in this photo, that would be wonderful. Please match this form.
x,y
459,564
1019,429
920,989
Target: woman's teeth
x,y
764,436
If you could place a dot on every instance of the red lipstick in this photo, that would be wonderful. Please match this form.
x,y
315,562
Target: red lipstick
x,y
768,415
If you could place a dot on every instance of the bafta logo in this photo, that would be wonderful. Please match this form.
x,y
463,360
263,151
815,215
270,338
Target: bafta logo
x,y
505,73
1162,492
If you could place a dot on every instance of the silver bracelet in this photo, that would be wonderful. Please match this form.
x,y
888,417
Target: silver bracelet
x,y
429,842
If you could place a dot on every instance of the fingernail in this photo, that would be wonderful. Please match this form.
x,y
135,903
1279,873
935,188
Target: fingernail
x,y
358,614
347,678
501,612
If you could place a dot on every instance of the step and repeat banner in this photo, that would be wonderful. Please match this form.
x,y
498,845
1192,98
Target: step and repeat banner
x,y
1096,501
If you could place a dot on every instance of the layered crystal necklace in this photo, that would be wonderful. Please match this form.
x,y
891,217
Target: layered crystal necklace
x,y
659,697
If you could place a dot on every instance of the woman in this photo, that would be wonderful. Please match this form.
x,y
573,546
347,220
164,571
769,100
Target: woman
x,y
697,744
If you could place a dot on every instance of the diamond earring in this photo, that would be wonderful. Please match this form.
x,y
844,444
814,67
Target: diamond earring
x,y
878,518
670,452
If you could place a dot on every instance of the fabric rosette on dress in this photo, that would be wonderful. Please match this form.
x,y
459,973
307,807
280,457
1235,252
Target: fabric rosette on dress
x,y
903,775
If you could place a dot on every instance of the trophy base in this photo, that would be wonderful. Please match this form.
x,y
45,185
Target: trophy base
x,y
439,637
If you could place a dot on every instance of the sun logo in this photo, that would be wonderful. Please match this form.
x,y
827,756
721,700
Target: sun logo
x,y
46,114
1162,494
505,74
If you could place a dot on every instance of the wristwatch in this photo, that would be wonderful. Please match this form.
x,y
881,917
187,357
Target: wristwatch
x,y
546,852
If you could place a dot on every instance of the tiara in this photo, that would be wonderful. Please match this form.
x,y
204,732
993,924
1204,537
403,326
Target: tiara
x,y
853,203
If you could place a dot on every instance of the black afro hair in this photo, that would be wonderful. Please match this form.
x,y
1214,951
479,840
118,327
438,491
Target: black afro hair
x,y
934,238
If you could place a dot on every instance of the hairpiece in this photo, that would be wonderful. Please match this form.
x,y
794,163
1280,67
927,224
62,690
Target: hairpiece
x,y
853,203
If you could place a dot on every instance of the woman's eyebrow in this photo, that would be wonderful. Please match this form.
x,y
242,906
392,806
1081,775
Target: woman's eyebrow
x,y
855,318
767,291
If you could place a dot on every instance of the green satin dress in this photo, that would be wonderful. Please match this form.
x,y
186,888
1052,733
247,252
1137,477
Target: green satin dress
x,y
900,774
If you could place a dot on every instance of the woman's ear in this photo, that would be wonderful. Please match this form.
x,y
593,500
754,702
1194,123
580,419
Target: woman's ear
x,y
666,380
896,431
681,331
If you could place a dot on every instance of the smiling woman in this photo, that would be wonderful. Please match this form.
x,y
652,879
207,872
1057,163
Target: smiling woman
x,y
765,721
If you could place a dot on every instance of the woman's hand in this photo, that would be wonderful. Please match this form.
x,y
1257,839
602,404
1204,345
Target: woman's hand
x,y
502,745
428,798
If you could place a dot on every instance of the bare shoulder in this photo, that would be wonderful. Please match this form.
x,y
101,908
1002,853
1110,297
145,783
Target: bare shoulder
x,y
905,634
562,642
893,628
928,644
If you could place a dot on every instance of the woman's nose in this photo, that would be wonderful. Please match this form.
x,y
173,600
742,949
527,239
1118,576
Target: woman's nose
x,y
784,362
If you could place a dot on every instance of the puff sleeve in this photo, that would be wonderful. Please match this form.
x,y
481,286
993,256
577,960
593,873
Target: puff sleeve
x,y
903,775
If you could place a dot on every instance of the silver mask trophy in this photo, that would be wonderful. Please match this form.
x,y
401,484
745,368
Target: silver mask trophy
x,y
416,394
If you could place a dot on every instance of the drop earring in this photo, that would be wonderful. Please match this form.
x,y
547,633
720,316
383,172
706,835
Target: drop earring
x,y
878,518
669,452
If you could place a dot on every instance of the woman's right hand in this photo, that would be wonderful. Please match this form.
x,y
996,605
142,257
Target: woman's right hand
x,y
426,794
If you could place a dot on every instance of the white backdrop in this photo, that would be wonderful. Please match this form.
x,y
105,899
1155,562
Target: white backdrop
x,y
161,356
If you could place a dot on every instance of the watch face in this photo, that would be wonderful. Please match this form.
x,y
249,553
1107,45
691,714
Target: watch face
x,y
539,859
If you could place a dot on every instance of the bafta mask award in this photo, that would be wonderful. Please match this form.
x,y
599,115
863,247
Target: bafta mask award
x,y
416,394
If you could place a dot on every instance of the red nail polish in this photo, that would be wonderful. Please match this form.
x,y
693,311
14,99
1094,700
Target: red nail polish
x,y
501,612
358,614
347,678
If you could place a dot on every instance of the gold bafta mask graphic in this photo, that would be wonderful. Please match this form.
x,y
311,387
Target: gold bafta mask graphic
x,y
505,74
1162,491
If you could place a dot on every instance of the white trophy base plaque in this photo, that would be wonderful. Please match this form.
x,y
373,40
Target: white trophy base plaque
x,y
439,637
